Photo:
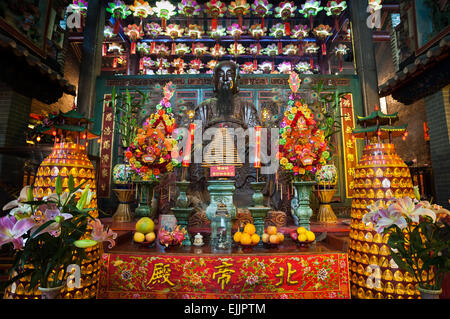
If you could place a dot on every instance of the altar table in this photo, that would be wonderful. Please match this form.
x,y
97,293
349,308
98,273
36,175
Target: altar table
x,y
133,271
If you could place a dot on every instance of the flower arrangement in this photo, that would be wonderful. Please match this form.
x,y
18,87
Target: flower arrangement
x,y
322,31
326,175
162,64
311,48
285,11
148,62
143,48
179,65
134,33
236,49
340,50
211,64
51,234
218,51
419,235
239,8
182,49
247,68
194,31
335,8
150,154
161,50
302,143
196,64
265,67
253,49
174,31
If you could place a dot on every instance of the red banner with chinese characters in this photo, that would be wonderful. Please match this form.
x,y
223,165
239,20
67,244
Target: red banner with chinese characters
x,y
107,140
349,144
222,171
307,276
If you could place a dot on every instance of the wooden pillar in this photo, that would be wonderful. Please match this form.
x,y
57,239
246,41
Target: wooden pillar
x,y
366,67
91,57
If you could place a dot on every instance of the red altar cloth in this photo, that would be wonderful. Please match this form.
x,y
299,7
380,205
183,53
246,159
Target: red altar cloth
x,y
312,273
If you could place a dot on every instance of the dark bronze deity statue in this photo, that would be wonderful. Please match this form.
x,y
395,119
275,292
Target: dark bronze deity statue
x,y
226,107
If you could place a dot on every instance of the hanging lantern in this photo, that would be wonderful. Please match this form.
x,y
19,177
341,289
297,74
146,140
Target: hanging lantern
x,y
142,10
134,33
188,8
310,9
254,50
262,8
278,31
340,51
303,67
174,31
194,31
247,68
257,31
285,11
196,65
211,65
266,67
154,30
215,9
164,10
143,48
300,32
104,49
271,50
235,30
322,32
239,8
78,8
236,50
119,11
335,8
218,32
218,51
311,48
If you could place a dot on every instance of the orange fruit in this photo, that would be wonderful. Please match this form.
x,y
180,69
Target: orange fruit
x,y
271,230
138,237
310,236
150,237
302,238
301,230
280,236
265,238
249,229
255,239
246,239
237,236
274,239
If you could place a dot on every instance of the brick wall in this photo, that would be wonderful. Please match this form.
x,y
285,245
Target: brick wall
x,y
438,115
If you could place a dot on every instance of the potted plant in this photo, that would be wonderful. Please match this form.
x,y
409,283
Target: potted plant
x,y
50,234
419,239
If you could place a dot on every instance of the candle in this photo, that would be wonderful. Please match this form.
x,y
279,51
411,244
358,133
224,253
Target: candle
x,y
257,147
190,140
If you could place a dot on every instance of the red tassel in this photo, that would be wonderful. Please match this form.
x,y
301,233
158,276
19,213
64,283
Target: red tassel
x,y
255,64
273,66
340,64
141,29
104,49
280,48
214,24
258,48
240,20
287,28
262,23
115,63
133,47
300,48
324,48
152,47
311,22
311,62
173,48
117,25
141,64
192,48
163,24
235,48
336,23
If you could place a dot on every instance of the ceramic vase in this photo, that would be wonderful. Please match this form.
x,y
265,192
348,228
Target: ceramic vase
x,y
303,211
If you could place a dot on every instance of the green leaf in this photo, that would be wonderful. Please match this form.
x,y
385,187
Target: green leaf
x,y
71,184
42,227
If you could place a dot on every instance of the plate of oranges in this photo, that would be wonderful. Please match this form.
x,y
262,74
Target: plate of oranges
x,y
272,237
302,236
247,237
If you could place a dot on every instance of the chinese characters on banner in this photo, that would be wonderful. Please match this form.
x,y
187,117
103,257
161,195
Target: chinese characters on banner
x,y
107,140
349,144
124,276
222,171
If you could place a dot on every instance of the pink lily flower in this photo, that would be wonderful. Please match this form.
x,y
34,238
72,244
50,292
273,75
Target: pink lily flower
x,y
99,233
407,207
11,231
54,228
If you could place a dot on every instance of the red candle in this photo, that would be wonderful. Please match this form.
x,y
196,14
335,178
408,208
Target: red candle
x,y
258,147
190,140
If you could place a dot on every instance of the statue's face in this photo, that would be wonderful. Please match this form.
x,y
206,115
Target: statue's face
x,y
225,77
